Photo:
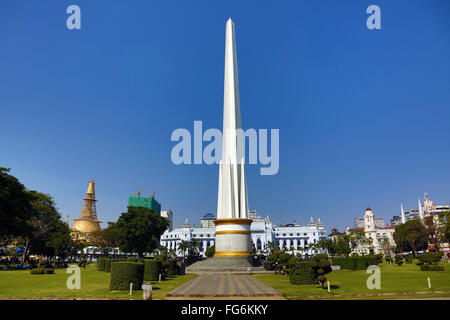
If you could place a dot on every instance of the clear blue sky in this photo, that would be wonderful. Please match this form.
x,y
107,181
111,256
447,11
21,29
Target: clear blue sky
x,y
363,114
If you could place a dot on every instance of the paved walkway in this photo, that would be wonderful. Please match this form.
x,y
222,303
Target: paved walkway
x,y
225,285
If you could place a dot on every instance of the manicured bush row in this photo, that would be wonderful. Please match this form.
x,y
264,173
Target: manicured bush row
x,y
37,271
108,265
152,270
101,264
49,270
268,266
124,273
428,267
301,272
354,263
171,267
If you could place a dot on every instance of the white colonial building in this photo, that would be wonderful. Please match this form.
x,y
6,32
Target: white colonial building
x,y
375,236
263,231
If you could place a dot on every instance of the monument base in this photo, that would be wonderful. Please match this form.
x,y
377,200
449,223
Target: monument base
x,y
235,265
232,238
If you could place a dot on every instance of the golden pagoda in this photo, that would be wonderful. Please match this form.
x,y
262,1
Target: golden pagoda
x,y
88,218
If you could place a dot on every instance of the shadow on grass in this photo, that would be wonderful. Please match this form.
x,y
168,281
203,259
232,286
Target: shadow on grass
x,y
333,286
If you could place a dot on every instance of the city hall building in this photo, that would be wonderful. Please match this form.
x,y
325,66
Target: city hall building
x,y
289,237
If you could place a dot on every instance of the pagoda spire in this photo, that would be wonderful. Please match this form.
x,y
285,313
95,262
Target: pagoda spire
x,y
88,217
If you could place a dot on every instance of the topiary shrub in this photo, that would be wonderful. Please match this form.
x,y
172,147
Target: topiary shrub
x,y
301,272
210,251
152,270
37,271
49,270
321,267
431,267
101,264
399,260
409,258
124,273
82,263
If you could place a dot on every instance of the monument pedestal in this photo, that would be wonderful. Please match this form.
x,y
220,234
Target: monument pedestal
x,y
232,238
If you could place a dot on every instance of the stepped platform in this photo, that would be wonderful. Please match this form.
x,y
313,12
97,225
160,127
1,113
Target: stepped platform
x,y
229,265
229,286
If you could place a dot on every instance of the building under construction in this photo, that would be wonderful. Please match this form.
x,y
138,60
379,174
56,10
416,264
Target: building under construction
x,y
136,200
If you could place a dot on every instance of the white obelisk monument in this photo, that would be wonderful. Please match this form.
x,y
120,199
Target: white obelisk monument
x,y
232,224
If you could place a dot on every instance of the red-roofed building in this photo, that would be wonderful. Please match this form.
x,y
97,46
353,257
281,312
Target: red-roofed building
x,y
377,239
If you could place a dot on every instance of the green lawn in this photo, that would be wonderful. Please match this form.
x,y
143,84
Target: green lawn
x,y
94,285
406,278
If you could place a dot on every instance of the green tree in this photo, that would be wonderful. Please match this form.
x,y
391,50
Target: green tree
x,y
210,251
271,245
60,240
44,224
411,236
194,248
141,229
386,246
444,226
106,240
399,260
342,245
183,247
430,257
15,207
358,238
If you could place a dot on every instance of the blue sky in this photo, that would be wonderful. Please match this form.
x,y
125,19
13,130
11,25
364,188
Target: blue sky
x,y
363,114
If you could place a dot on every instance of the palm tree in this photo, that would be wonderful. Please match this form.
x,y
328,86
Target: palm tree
x,y
271,245
182,247
195,246
313,247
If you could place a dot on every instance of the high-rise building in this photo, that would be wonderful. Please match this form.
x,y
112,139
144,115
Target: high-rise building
x,y
207,221
169,216
428,209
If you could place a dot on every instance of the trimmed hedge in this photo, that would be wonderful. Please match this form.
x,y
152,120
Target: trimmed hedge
x,y
431,267
108,265
124,273
37,271
171,267
49,270
354,263
268,266
152,270
101,264
301,272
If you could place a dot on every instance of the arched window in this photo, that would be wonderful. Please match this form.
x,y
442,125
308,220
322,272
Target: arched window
x,y
258,244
